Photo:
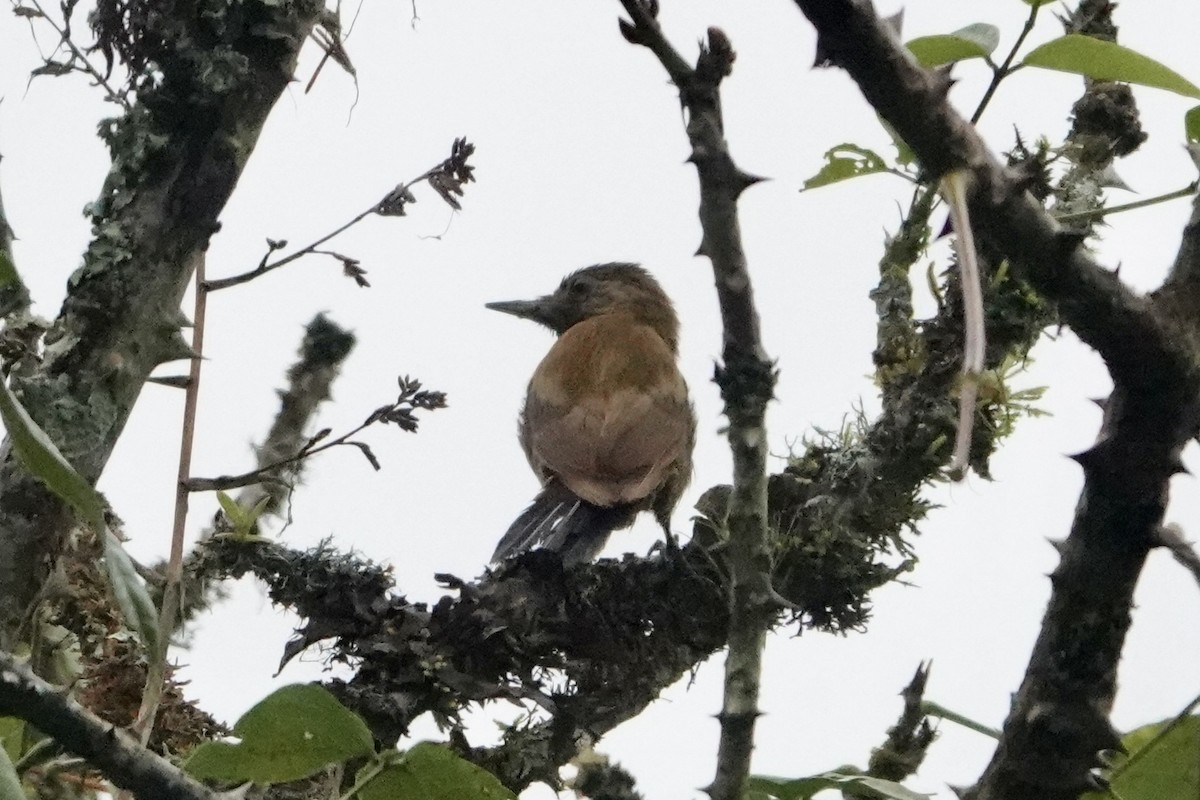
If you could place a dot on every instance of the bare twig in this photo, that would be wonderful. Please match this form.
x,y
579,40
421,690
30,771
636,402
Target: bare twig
x,y
400,413
114,752
79,59
746,379
447,179
999,73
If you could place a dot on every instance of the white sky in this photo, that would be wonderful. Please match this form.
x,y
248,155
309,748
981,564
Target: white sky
x,y
580,160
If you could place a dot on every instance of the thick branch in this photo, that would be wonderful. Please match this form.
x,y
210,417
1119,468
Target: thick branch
x,y
1059,719
177,155
110,750
1098,307
746,379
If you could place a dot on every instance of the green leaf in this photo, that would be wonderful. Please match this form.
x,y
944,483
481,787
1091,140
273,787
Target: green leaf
x,y
10,782
430,771
292,733
8,270
974,41
1167,769
846,161
39,455
12,731
1107,61
763,787
1191,124
132,596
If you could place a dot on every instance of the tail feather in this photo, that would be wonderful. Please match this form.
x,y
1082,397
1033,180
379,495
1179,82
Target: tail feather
x,y
560,521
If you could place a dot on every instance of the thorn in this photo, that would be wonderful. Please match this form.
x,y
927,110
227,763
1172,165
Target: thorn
x,y
177,349
1097,780
1059,545
698,155
1177,467
743,181
1114,741
1069,240
942,81
702,250
1088,459
822,59
1109,177
959,791
1101,402
782,601
174,381
895,22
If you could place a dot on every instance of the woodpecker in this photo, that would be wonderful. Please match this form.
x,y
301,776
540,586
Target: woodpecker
x,y
607,426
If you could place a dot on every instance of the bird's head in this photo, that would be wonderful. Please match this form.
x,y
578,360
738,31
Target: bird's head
x,y
597,290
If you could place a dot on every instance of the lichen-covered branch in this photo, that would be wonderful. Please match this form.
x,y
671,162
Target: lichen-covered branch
x,y
204,86
122,760
746,378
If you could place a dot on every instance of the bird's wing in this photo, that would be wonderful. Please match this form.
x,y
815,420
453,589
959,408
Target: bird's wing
x,y
613,419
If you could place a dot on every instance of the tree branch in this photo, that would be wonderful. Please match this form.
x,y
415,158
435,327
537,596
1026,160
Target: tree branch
x,y
109,749
747,381
177,154
1059,718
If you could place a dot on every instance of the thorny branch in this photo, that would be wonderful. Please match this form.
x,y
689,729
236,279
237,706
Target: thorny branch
x,y
123,761
746,379
1059,718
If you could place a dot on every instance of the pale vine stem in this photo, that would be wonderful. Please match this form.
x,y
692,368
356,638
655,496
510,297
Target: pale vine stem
x,y
168,615
954,188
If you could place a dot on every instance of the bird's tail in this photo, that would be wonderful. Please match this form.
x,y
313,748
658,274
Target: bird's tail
x,y
560,521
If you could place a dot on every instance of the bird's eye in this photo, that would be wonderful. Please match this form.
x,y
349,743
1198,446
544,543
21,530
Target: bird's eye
x,y
578,287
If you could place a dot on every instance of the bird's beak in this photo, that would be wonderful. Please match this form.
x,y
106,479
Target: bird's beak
x,y
525,309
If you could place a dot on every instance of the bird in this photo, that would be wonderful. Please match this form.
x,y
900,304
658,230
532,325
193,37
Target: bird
x,y
607,425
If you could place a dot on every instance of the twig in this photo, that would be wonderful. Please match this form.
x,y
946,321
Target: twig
x,y
399,413
112,751
1101,213
447,179
746,379
1004,70
264,266
77,55
940,711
